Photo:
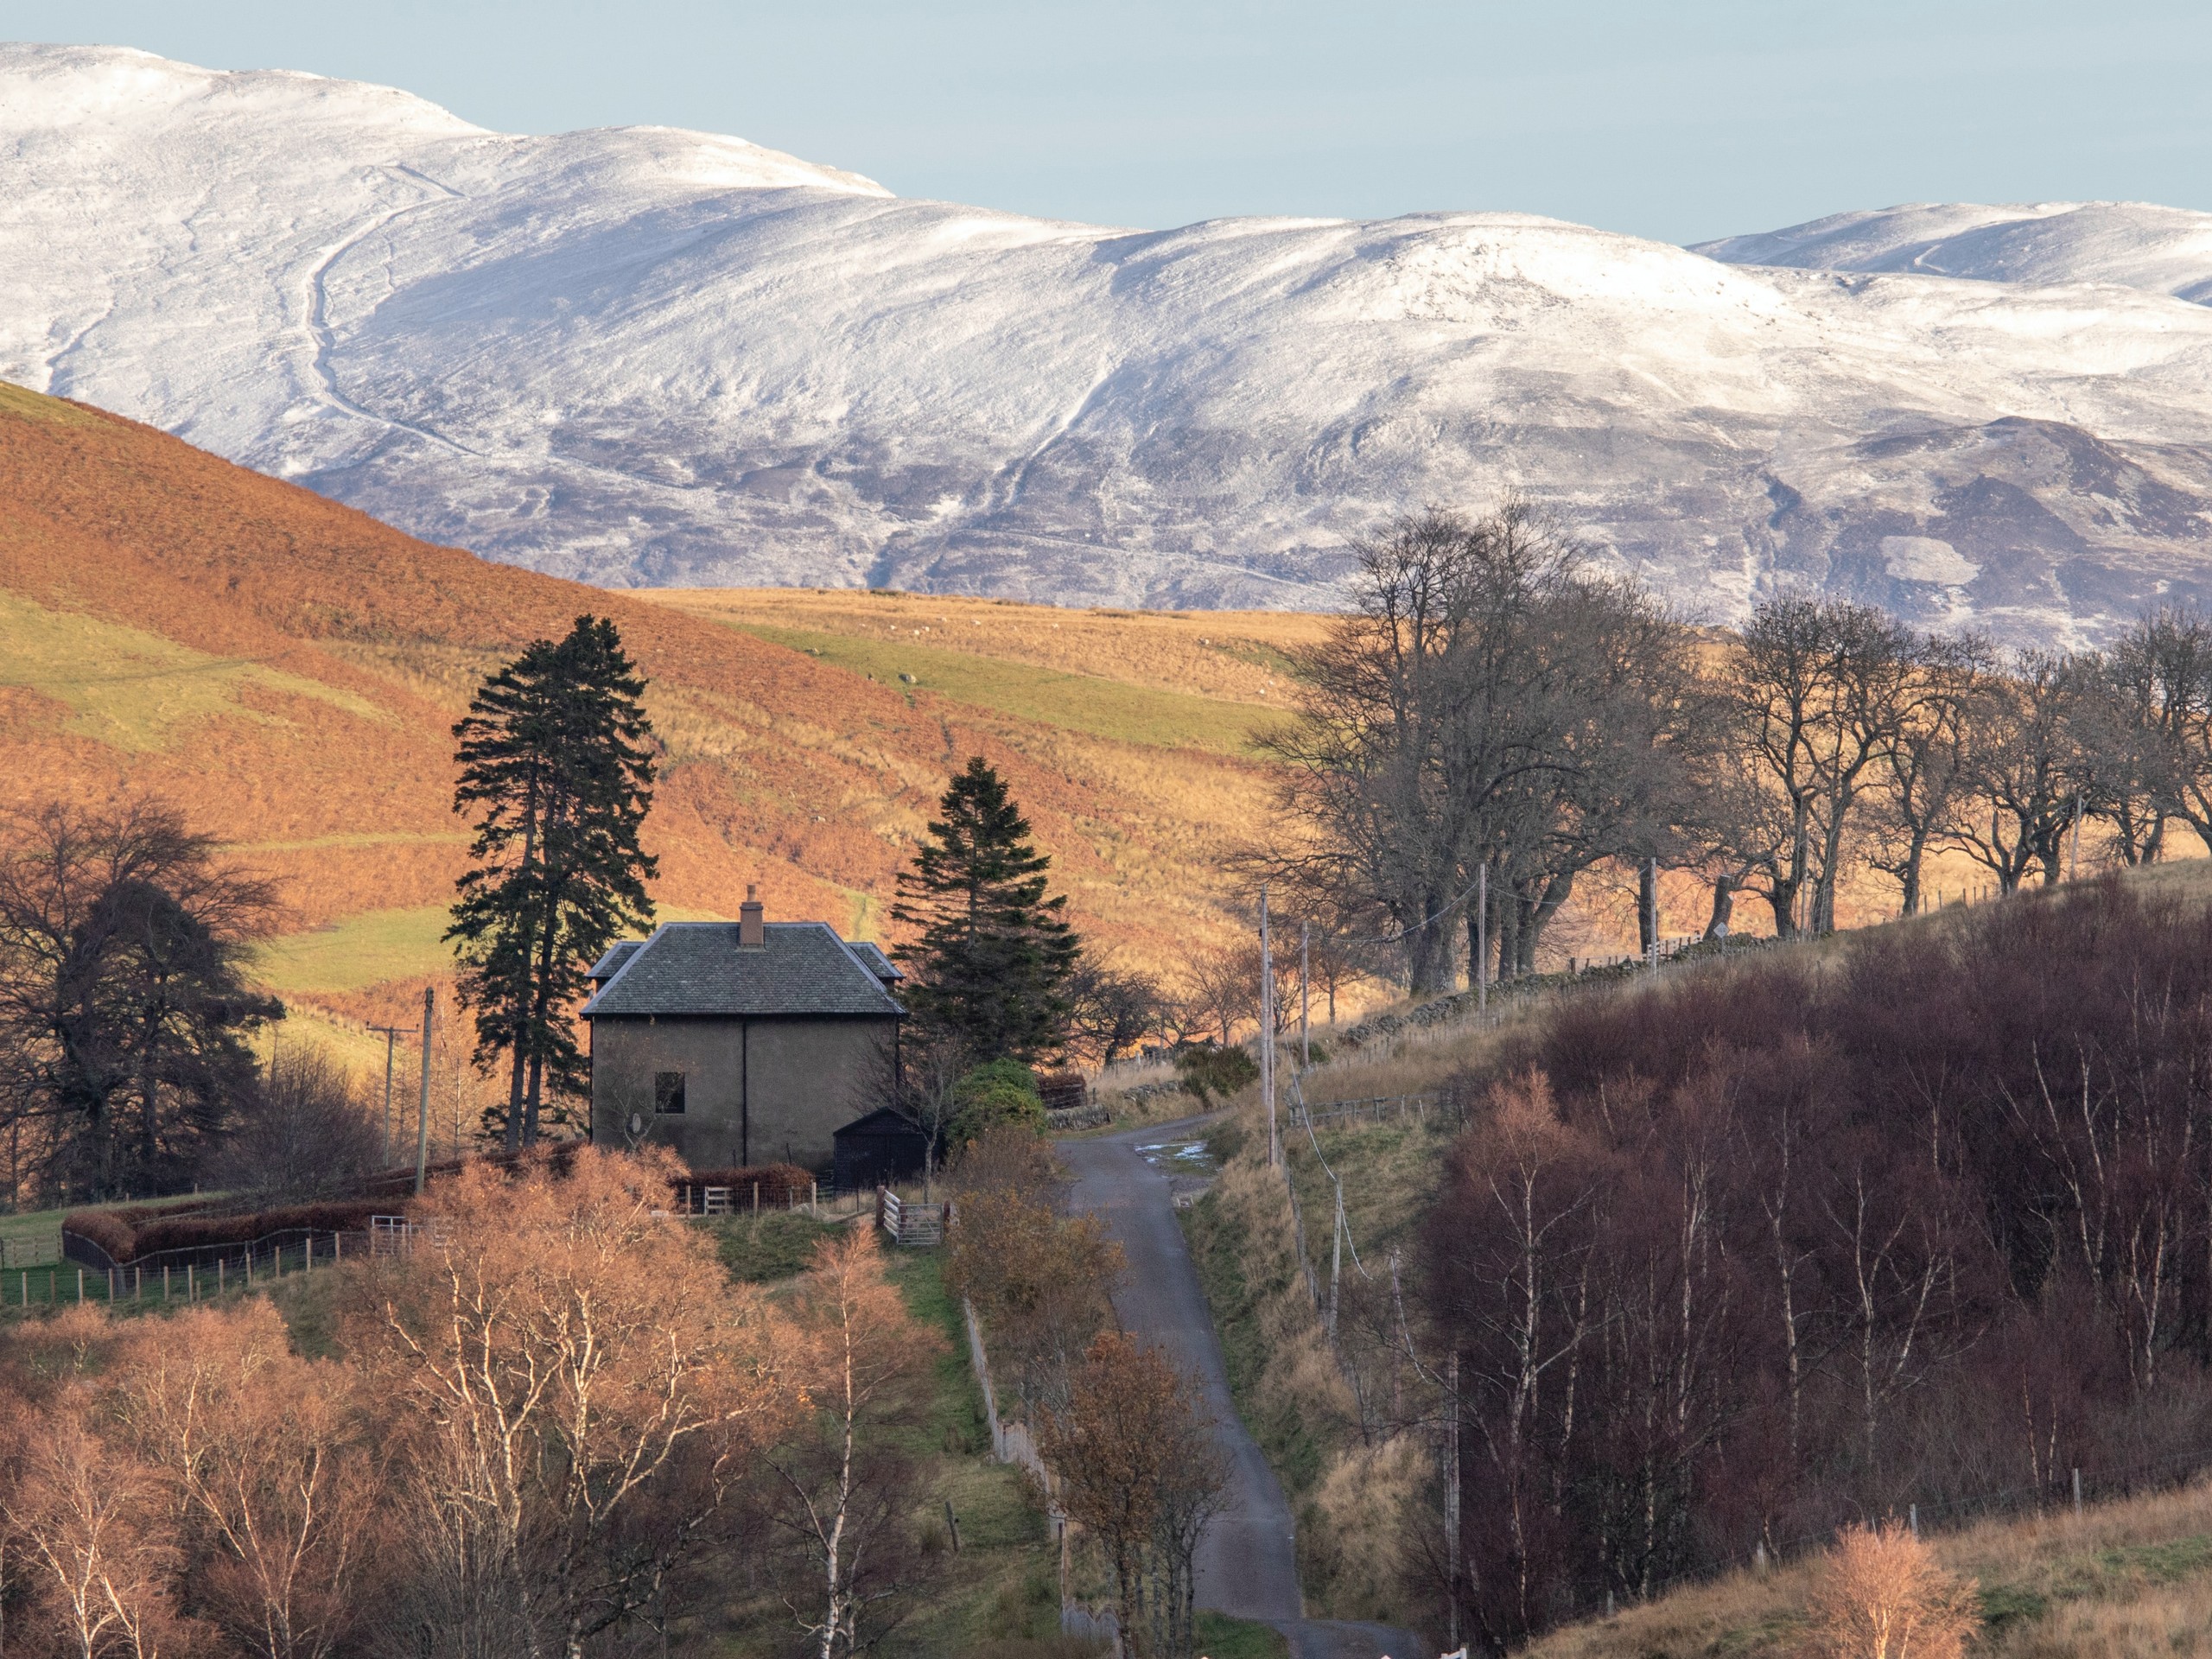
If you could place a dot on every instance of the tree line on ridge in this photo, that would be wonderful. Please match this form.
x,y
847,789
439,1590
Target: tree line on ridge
x,y
1494,713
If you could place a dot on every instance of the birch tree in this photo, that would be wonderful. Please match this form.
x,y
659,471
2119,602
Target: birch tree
x,y
844,1498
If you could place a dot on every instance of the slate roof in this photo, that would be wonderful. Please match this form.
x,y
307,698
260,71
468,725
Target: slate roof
x,y
618,953
884,967
697,967
883,1120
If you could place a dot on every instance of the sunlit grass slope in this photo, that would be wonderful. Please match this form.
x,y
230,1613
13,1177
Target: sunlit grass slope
x,y
1242,657
287,672
1076,703
2124,1579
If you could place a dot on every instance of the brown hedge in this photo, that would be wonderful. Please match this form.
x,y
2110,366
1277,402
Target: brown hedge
x,y
128,1235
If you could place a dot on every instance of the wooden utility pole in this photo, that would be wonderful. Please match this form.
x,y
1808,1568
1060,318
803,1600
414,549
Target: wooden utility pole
x,y
1654,915
1481,937
391,1037
1305,1003
1336,1256
1451,1490
2074,857
422,1113
1268,1032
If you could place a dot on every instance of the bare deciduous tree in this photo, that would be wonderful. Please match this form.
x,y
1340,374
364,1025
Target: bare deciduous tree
x,y
1041,1283
844,1493
303,1132
2026,768
1927,766
1110,1009
124,995
2147,719
1883,1597
1138,1468
1821,689
89,1522
1488,704
556,1353
269,1459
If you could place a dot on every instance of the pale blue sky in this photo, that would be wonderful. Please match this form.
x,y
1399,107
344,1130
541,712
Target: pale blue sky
x,y
1679,121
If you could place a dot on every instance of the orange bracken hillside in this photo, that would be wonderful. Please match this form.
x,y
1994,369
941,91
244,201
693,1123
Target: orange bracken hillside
x,y
288,671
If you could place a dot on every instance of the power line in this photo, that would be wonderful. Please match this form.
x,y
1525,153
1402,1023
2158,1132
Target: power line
x,y
1411,928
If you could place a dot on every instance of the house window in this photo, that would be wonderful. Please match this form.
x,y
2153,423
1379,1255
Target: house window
x,y
668,1091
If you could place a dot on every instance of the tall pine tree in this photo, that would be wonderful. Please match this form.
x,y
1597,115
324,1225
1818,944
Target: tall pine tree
x,y
991,962
557,762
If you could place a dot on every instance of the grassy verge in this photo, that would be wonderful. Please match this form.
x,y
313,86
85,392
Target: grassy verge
x,y
999,1592
1223,1637
1004,1581
760,1250
1251,1285
1354,1483
2125,1579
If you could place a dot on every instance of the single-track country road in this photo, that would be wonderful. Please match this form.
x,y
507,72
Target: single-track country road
x,y
1246,1565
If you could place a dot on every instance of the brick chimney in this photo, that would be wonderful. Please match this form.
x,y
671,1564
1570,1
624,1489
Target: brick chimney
x,y
751,933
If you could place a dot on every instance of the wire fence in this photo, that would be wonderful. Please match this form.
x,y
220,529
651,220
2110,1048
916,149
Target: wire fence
x,y
1377,1108
2066,1493
195,1274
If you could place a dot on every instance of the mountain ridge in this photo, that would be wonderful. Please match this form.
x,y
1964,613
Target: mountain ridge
x,y
646,357
2042,243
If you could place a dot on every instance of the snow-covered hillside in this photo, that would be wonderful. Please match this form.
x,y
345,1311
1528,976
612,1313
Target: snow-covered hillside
x,y
2135,244
648,356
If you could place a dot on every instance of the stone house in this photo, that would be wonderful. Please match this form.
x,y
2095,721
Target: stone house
x,y
750,1042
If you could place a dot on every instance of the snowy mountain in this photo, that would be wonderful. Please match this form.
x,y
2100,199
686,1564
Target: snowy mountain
x,y
646,356
2134,245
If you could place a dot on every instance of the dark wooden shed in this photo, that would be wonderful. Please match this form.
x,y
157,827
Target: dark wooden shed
x,y
882,1147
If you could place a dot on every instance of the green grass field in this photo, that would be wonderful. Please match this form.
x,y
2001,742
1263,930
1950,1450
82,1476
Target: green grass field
x,y
761,1249
374,946
25,405
358,952
37,1291
1080,703
133,690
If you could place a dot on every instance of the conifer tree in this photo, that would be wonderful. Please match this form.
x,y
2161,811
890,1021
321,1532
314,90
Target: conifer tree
x,y
556,759
992,960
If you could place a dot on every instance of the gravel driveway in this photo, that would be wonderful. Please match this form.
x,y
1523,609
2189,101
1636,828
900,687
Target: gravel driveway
x,y
1247,1564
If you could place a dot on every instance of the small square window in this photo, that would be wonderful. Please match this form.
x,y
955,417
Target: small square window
x,y
668,1091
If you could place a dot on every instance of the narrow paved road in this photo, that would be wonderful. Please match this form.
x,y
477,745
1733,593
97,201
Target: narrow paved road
x,y
1246,1565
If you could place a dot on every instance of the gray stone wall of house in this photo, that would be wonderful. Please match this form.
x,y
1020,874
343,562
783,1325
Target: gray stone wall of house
x,y
763,1090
